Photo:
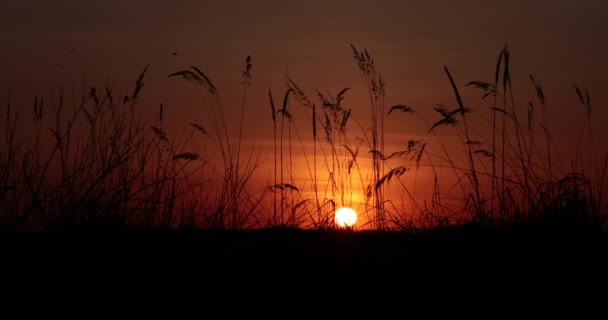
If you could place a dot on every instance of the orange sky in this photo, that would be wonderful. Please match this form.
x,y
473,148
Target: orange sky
x,y
559,42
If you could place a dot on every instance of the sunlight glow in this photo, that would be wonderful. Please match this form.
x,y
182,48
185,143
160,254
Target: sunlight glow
x,y
345,217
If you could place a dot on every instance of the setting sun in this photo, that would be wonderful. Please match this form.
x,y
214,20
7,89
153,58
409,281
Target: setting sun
x,y
345,217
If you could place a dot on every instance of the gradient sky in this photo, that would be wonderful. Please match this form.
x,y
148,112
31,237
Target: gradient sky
x,y
559,42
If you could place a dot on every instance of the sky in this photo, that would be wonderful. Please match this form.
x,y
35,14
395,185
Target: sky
x,y
559,42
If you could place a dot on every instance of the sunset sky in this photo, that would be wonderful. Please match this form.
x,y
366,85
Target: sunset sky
x,y
559,42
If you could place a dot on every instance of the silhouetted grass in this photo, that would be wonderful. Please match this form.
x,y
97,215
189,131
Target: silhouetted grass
x,y
91,163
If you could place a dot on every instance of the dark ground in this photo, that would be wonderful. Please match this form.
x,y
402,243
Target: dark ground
x,y
263,271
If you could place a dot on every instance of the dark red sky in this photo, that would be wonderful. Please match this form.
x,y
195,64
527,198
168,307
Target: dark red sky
x,y
559,42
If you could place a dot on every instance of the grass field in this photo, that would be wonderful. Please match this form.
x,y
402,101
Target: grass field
x,y
102,209
93,161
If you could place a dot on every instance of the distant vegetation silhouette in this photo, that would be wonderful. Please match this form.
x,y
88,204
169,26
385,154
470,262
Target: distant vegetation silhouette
x,y
90,162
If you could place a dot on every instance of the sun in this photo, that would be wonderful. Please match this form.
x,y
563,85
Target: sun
x,y
345,217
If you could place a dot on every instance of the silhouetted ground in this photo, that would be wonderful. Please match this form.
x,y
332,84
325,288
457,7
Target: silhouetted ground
x,y
262,271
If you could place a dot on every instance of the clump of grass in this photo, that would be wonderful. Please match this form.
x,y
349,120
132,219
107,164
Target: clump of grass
x,y
523,183
340,177
376,89
234,204
104,168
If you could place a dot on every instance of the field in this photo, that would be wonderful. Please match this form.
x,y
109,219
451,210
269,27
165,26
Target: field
x,y
103,209
286,271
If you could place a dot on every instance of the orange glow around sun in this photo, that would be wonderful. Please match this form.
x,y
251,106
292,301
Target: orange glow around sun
x,y
345,217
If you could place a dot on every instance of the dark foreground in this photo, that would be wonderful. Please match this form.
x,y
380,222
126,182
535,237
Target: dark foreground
x,y
268,272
